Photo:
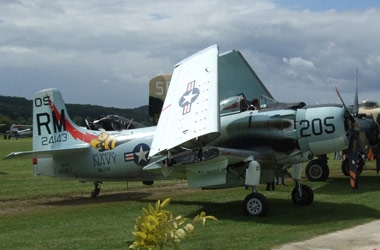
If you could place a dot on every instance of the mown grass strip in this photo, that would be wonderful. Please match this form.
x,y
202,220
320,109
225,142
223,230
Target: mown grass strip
x,y
47,213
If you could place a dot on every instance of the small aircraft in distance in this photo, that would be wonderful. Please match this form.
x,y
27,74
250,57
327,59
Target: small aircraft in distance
x,y
20,131
207,133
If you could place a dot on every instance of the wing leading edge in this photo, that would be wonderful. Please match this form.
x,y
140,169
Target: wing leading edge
x,y
190,114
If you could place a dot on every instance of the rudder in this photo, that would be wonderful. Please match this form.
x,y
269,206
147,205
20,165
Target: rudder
x,y
52,126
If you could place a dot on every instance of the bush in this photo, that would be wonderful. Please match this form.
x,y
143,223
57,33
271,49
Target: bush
x,y
158,228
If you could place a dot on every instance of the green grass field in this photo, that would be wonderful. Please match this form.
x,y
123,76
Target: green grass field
x,y
47,213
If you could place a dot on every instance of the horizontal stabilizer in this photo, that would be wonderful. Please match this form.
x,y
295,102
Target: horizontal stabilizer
x,y
61,151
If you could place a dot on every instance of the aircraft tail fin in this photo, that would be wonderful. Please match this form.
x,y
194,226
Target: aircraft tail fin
x,y
52,127
158,88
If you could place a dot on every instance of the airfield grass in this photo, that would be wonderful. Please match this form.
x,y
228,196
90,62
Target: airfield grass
x,y
47,213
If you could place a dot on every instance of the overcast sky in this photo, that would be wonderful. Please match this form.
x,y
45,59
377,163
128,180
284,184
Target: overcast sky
x,y
105,52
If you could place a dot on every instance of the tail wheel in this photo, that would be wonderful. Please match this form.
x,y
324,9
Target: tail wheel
x,y
307,196
256,204
317,170
96,190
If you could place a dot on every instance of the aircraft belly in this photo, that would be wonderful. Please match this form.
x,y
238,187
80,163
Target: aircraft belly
x,y
267,174
207,173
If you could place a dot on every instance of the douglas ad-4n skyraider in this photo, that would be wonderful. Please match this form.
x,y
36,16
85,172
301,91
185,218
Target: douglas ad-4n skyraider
x,y
206,134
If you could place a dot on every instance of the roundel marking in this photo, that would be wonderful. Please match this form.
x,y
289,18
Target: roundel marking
x,y
140,153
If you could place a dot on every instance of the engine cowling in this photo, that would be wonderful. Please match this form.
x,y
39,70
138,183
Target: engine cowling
x,y
321,129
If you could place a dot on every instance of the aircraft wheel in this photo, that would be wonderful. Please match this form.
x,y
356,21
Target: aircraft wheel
x,y
256,204
307,196
96,190
346,166
317,170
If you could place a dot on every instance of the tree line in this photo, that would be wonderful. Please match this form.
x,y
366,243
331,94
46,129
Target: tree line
x,y
18,110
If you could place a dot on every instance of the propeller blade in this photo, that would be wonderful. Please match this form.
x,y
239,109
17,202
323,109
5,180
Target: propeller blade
x,y
353,157
344,105
355,110
378,162
365,146
341,99
357,138
378,145
378,156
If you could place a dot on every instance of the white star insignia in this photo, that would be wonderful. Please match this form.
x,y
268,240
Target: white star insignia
x,y
189,97
141,155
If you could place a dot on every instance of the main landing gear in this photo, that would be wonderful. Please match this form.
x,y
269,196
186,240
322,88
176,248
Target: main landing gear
x,y
317,169
256,204
96,190
302,194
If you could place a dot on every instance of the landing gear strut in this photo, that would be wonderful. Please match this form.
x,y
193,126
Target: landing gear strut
x,y
255,203
302,194
96,190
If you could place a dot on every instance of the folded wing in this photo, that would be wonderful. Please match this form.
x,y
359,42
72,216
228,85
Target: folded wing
x,y
190,115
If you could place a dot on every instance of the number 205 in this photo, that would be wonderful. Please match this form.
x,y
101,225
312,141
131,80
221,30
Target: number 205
x,y
317,126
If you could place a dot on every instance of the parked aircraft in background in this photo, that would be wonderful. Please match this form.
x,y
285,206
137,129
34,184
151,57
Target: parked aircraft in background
x,y
113,123
370,108
158,88
207,133
19,131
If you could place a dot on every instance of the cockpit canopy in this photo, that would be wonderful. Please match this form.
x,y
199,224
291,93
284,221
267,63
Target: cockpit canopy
x,y
230,105
239,103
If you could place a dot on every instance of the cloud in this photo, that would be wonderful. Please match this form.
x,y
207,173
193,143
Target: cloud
x,y
105,52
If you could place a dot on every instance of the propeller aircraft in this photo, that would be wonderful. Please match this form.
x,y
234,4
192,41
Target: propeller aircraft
x,y
20,131
364,138
370,108
207,133
366,118
112,123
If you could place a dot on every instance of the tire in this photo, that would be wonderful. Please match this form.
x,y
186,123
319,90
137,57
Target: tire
x,y
317,170
256,204
346,166
95,193
307,197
